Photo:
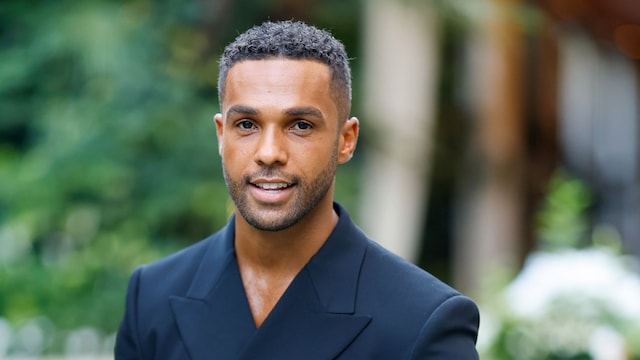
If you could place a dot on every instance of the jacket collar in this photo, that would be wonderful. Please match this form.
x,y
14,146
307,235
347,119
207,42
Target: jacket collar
x,y
342,254
315,318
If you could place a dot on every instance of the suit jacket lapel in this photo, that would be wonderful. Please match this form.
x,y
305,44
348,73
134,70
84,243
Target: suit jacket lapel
x,y
315,318
214,319
297,328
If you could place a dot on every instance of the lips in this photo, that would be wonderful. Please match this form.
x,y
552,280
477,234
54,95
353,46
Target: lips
x,y
272,186
271,190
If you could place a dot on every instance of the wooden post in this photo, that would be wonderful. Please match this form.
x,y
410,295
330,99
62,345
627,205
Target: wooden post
x,y
490,210
401,58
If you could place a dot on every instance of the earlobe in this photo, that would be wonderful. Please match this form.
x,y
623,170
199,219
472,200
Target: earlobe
x,y
348,139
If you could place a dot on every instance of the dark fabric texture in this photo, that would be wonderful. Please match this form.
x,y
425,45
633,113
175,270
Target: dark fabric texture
x,y
353,300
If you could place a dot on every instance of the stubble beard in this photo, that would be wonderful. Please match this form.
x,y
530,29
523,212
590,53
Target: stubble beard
x,y
307,196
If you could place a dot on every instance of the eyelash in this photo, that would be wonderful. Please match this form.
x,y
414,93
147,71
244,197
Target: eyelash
x,y
306,125
245,122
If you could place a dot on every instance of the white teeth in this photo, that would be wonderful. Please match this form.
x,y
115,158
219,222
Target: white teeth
x,y
272,186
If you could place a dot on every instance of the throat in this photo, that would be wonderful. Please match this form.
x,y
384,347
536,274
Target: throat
x,y
263,292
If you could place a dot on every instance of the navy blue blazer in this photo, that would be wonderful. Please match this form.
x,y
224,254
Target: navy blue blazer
x,y
353,300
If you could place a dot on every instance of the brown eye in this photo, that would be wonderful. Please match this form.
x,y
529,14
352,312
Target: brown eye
x,y
245,124
302,125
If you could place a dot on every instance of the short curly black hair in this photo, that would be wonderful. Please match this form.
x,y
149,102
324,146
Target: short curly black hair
x,y
292,40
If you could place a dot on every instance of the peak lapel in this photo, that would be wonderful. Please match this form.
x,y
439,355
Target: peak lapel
x,y
214,319
297,328
315,318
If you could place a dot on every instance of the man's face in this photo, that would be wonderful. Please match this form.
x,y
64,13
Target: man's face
x,y
280,139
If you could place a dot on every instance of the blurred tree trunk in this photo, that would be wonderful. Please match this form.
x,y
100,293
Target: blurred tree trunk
x,y
401,65
490,212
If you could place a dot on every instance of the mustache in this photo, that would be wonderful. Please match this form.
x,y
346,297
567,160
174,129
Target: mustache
x,y
270,173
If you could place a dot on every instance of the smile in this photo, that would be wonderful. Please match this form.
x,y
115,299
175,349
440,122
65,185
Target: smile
x,y
272,186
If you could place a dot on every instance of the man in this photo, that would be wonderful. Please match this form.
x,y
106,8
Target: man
x,y
290,276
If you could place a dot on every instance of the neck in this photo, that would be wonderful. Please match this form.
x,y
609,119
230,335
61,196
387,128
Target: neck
x,y
285,251
270,260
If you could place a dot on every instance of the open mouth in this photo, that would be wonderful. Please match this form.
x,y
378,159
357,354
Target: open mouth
x,y
272,186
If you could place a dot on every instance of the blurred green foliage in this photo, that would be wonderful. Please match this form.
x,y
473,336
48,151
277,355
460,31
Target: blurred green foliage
x,y
574,297
108,156
563,221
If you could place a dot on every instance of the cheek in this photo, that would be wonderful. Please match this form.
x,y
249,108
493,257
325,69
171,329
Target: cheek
x,y
233,156
239,154
317,159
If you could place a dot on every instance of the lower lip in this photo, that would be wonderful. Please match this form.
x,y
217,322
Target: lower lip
x,y
269,196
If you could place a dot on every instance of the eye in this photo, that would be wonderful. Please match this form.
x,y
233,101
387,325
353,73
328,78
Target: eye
x,y
245,125
302,126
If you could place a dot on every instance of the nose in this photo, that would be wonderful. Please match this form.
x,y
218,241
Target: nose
x,y
271,148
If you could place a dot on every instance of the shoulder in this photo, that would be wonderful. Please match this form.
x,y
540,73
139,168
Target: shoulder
x,y
384,275
147,308
171,271
417,314
174,274
387,272
412,305
151,285
409,292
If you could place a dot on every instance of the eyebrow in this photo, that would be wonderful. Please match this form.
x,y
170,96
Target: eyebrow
x,y
296,111
241,109
304,111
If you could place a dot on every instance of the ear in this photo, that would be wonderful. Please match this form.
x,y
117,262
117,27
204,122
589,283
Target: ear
x,y
219,129
348,140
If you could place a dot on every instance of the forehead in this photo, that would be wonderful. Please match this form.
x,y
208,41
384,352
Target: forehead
x,y
280,66
278,78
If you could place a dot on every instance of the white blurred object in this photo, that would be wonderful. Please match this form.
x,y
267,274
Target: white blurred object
x,y
607,344
30,338
585,275
5,337
84,341
570,301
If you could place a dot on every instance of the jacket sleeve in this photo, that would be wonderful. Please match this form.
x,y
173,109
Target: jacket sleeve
x,y
127,343
450,332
